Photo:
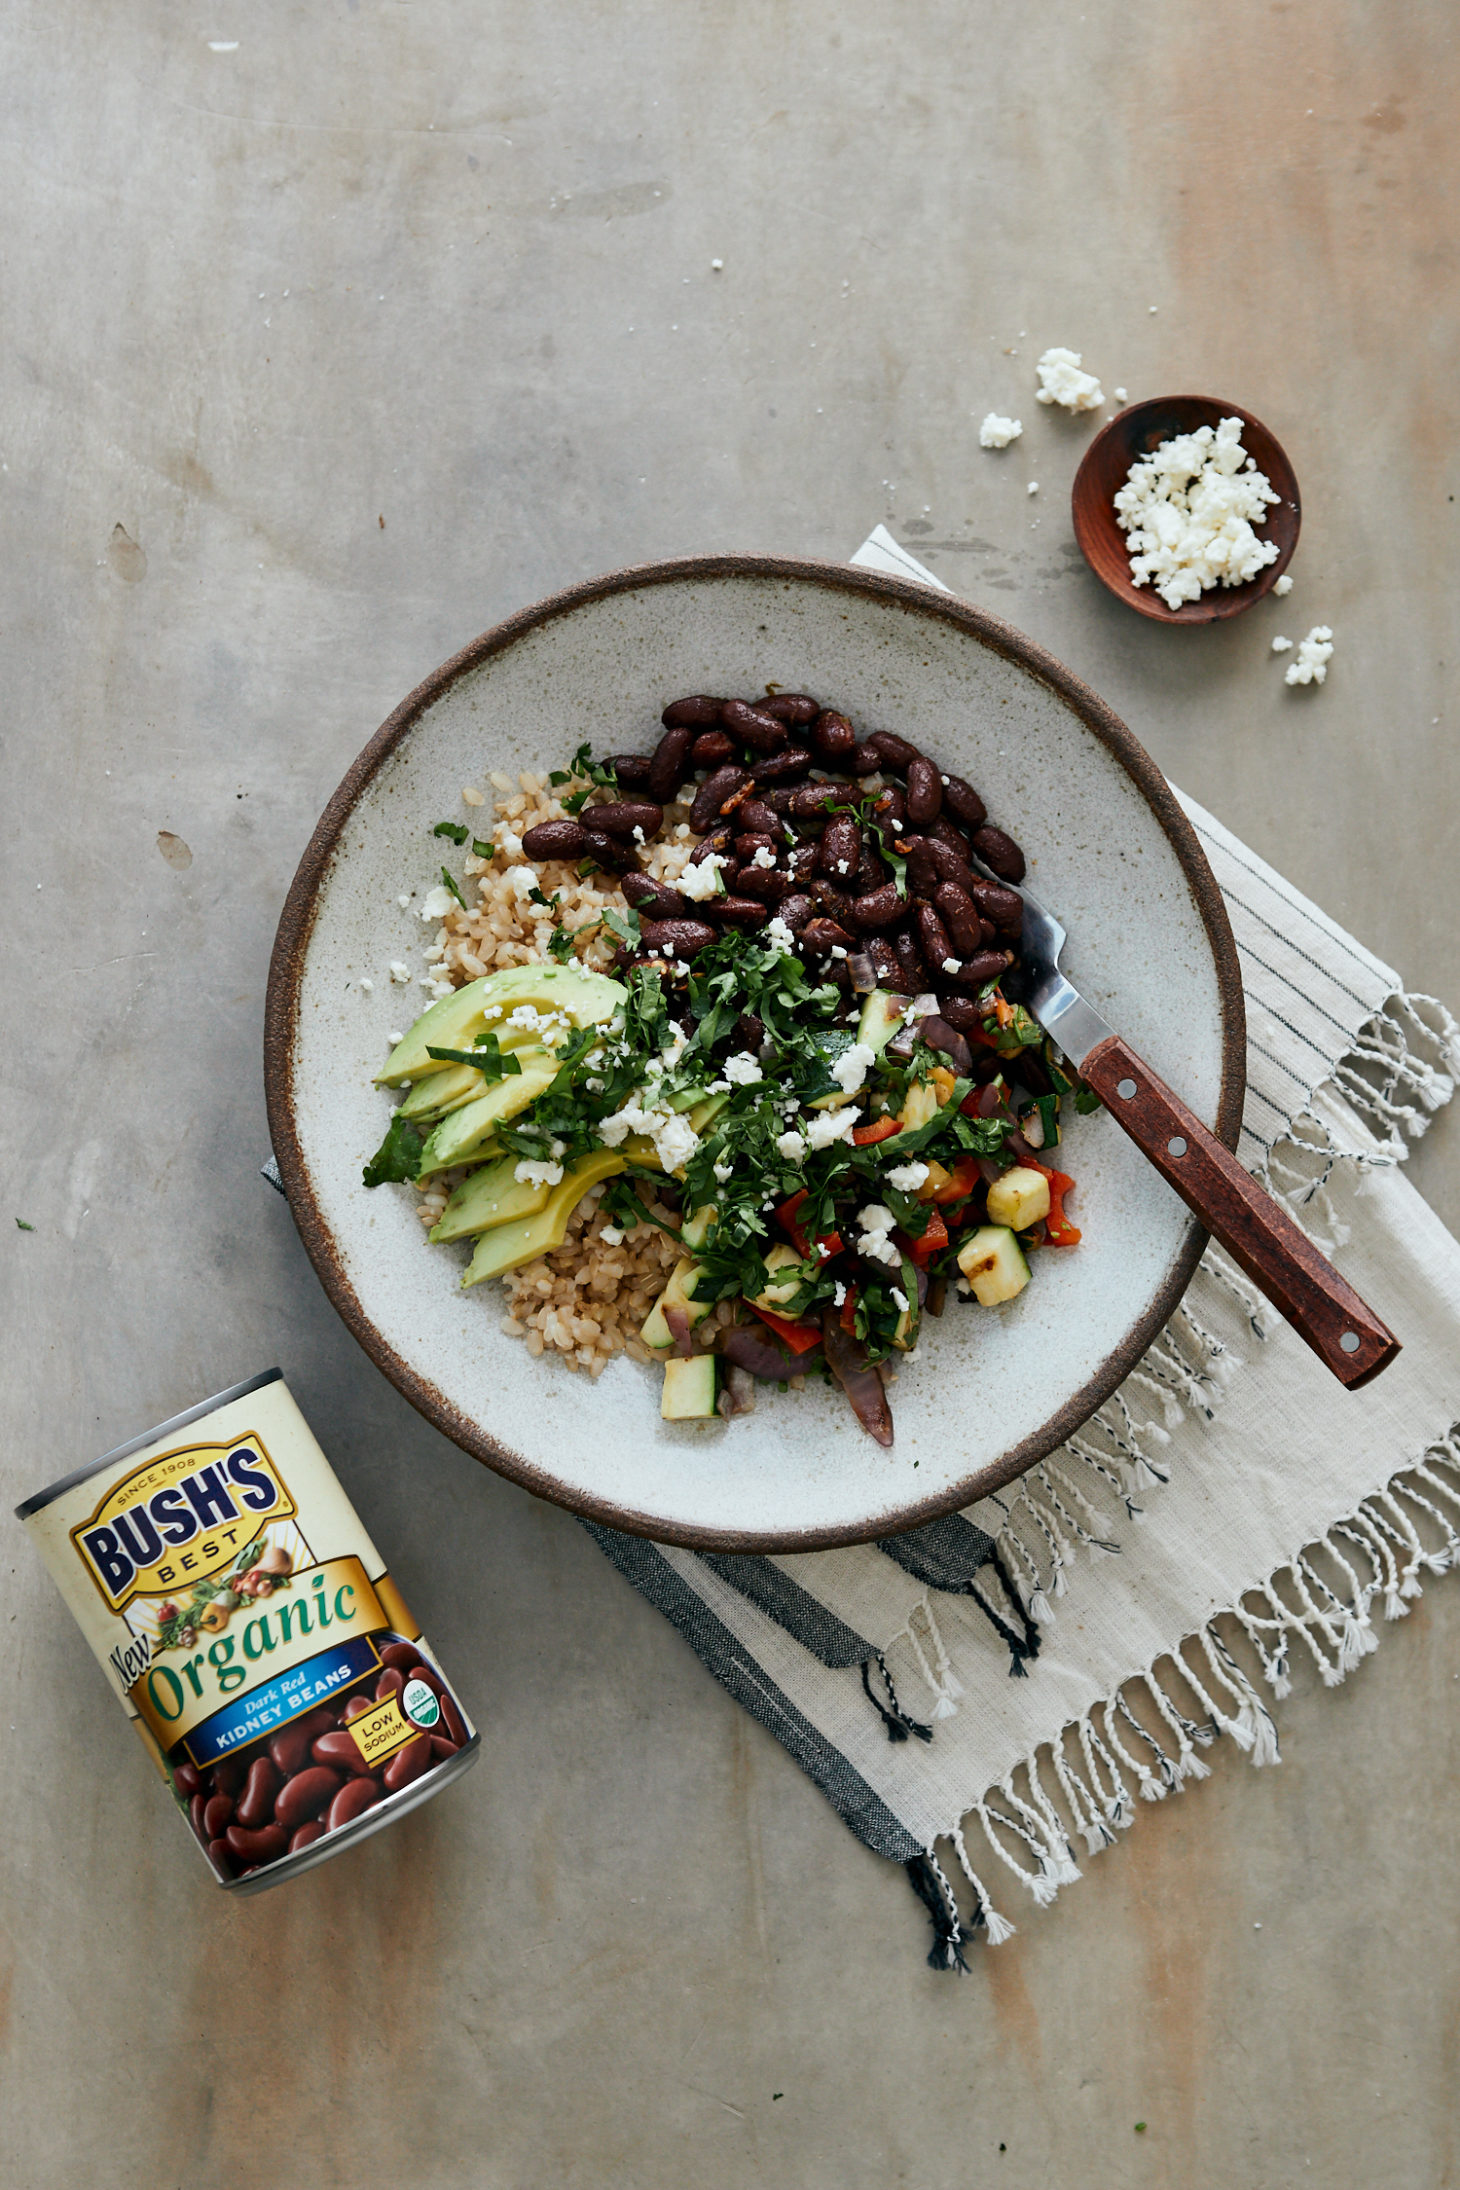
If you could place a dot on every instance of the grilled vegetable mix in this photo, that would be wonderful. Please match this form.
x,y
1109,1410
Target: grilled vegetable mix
x,y
851,1117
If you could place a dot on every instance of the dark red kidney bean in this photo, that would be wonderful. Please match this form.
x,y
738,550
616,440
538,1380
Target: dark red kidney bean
x,y
670,764
408,1764
263,1846
964,803
711,749
622,818
791,707
197,1812
606,850
833,736
943,831
677,938
306,1836
834,902
748,845
305,1795
784,767
870,875
353,1800
885,963
940,1034
998,850
340,1751
632,770
229,1774
934,939
796,911
841,848
961,1013
186,1778
753,727
221,1856
895,752
983,966
749,1034
356,1705
441,1748
779,801
821,936
803,859
697,711
290,1748
864,759
718,840
256,1803
878,909
910,959
960,917
713,794
390,1683
452,1719
949,865
654,899
922,871
924,792
741,912
890,811
1002,908
754,818
556,840
217,1814
403,1654
769,884
816,801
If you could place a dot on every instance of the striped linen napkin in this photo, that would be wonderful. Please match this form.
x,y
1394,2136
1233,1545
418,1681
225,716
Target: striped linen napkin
x,y
1230,1505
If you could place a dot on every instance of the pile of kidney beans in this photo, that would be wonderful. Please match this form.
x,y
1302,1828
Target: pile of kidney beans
x,y
309,1779
781,775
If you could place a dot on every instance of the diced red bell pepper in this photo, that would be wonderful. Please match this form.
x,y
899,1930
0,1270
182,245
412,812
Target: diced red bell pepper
x,y
800,1337
984,1101
829,1244
934,1240
867,1136
847,1318
1058,1230
959,1184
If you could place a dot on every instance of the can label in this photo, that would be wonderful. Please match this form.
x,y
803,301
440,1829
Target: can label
x,y
251,1629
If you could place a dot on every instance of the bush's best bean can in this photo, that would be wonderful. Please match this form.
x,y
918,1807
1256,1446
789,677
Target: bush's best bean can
x,y
250,1628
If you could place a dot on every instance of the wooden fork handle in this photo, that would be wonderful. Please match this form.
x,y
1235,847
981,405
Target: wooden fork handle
x,y
1257,1233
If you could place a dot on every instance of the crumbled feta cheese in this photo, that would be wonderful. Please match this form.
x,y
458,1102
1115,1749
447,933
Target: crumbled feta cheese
x,y
404,901
838,1298
507,841
843,866
875,1225
400,972
368,986
790,1145
538,1174
1282,646
899,1299
825,1126
1188,510
638,834
1033,487
1061,381
997,433
1282,585
722,1171
1120,395
521,881
1314,654
742,1070
838,951
953,965
851,1068
907,1177
779,935
395,1040
611,1236
701,879
762,856
437,903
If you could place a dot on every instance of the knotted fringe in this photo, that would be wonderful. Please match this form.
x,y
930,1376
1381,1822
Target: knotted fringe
x,y
1144,1741
897,1721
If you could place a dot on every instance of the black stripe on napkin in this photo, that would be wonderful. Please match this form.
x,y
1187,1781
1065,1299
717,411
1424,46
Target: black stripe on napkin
x,y
729,1660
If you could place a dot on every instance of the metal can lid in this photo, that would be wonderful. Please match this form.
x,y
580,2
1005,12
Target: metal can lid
x,y
147,1437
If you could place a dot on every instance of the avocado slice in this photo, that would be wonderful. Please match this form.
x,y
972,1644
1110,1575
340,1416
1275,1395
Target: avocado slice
x,y
689,1389
993,1262
447,1088
706,1111
491,1196
507,1245
584,999
882,1015
678,1293
463,1133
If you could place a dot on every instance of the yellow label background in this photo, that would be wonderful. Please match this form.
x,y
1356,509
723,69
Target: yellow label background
x,y
379,1733
254,1640
215,1546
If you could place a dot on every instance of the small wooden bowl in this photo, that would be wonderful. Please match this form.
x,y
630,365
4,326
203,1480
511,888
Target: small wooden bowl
x,y
1134,433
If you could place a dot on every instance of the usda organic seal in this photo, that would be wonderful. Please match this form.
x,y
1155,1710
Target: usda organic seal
x,y
421,1706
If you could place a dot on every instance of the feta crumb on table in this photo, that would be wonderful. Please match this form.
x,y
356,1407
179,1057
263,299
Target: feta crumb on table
x,y
997,432
1314,654
400,972
1033,487
1188,512
1282,646
1282,585
1061,381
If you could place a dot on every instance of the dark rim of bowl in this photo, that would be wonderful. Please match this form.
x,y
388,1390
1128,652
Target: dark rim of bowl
x,y
296,925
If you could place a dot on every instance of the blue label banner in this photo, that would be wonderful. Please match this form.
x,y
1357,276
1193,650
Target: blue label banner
x,y
265,1710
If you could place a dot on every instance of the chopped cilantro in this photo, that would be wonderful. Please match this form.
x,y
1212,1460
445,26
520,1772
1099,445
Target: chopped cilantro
x,y
456,830
485,1054
560,946
482,850
1086,1100
450,883
398,1157
23,1226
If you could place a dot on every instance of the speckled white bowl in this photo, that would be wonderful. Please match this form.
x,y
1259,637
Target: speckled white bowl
x,y
1109,849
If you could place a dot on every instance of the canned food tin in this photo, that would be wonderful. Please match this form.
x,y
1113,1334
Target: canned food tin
x,y
260,1648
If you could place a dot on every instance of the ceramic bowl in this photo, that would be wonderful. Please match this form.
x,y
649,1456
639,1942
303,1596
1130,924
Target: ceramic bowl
x,y
991,1391
1134,433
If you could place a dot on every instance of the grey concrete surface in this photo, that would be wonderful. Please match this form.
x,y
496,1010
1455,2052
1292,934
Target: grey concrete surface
x,y
322,354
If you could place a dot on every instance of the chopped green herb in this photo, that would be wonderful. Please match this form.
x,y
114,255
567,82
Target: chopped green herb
x,y
456,830
1086,1100
482,850
451,885
485,1054
398,1158
24,1227
626,927
560,946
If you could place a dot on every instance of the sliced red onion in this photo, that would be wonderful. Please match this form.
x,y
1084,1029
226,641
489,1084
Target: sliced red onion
x,y
863,973
678,1321
861,1383
919,1008
760,1353
937,1033
737,1393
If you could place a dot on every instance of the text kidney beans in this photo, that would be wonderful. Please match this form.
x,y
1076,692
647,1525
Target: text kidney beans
x,y
670,764
998,850
924,792
753,727
714,794
556,840
696,712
